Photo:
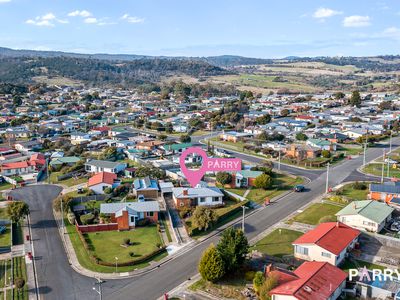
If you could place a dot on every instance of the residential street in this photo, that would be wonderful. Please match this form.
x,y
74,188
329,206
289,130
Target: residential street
x,y
57,280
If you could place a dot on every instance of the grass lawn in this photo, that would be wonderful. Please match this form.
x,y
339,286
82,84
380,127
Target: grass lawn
x,y
349,150
87,263
353,194
5,186
19,268
5,269
107,244
376,169
238,191
5,238
349,264
3,213
67,182
315,212
281,183
227,288
278,242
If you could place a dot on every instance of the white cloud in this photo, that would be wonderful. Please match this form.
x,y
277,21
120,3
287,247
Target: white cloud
x,y
322,13
46,20
90,20
131,19
80,13
357,21
5,1
391,32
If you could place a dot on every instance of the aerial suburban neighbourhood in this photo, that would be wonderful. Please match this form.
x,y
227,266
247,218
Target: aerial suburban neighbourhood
x,y
248,151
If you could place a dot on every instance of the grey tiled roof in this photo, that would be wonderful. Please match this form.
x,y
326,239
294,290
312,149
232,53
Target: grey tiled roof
x,y
197,192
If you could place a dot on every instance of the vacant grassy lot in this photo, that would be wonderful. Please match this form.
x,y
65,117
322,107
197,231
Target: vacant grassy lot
x,y
227,288
281,184
315,212
353,194
107,244
5,186
67,182
238,191
278,242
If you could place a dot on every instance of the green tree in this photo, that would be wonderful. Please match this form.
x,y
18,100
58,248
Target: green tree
x,y
17,100
233,248
264,181
204,217
224,177
284,112
110,153
16,210
339,95
301,137
325,154
169,128
258,281
264,119
185,138
162,137
19,283
211,265
355,99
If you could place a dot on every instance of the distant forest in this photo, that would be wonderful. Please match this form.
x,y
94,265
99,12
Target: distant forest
x,y
102,72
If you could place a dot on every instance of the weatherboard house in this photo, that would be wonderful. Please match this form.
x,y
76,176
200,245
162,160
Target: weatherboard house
x,y
127,215
328,242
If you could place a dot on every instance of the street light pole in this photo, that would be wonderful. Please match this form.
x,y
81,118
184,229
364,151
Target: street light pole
x,y
116,264
390,142
327,178
98,291
62,216
244,209
383,165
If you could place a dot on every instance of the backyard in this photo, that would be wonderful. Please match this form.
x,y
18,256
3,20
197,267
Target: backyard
x,y
352,193
277,243
315,212
114,248
68,182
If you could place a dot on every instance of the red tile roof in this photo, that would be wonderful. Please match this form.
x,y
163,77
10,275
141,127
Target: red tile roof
x,y
311,281
332,236
102,177
15,165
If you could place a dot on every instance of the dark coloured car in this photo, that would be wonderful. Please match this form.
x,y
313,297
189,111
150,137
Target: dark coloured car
x,y
299,188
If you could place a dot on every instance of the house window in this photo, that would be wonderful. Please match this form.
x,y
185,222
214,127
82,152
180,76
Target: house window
x,y
132,219
150,214
202,199
326,254
368,223
215,199
301,250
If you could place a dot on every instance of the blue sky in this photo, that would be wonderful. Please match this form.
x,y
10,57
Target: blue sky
x,y
257,28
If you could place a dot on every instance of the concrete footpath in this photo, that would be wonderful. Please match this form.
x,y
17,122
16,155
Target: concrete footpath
x,y
30,263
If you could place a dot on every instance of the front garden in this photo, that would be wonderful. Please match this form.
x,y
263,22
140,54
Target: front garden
x,y
317,213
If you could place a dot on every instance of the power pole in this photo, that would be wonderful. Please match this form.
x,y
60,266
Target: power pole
x,y
244,209
365,151
279,160
47,171
62,217
327,178
390,142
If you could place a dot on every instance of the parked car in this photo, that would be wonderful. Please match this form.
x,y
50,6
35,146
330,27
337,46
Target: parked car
x,y
299,188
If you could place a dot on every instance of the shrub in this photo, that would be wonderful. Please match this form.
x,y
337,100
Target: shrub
x,y
184,212
359,186
66,200
204,217
325,154
87,219
211,265
19,283
108,190
258,281
131,254
143,222
249,275
329,218
224,177
263,181
269,283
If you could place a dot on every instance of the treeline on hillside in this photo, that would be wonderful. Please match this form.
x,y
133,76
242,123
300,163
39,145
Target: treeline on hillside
x,y
102,72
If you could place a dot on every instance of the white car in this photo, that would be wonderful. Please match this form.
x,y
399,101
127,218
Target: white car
x,y
390,161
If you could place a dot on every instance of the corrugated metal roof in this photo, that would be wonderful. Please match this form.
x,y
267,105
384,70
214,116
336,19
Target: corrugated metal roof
x,y
146,206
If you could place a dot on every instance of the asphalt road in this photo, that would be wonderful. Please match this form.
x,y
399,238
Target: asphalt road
x,y
57,280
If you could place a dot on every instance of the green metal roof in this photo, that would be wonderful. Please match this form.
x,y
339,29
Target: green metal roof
x,y
249,173
319,142
65,160
370,209
175,147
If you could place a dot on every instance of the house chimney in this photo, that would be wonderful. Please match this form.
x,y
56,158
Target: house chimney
x,y
337,224
268,269
185,192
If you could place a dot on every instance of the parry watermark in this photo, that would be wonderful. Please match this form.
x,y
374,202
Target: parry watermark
x,y
365,274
